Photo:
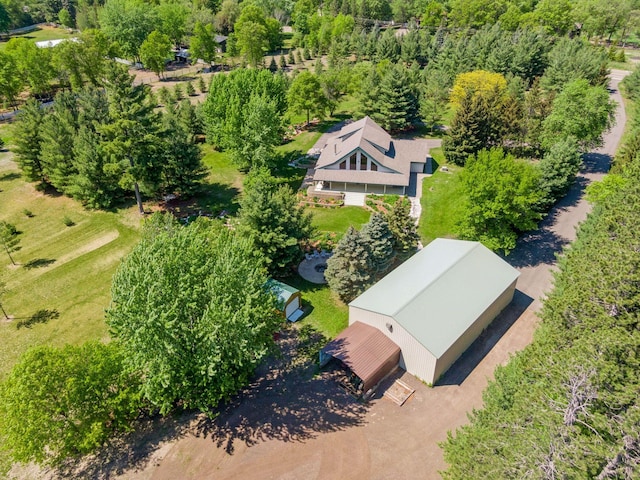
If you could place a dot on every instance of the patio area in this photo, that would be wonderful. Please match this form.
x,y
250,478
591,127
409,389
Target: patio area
x,y
313,266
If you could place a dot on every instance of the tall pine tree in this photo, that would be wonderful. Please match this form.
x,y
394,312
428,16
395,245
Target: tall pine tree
x,y
379,238
29,141
396,103
403,228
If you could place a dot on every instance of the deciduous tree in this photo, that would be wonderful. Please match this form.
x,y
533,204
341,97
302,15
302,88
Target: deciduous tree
x,y
305,93
65,402
155,51
193,314
501,194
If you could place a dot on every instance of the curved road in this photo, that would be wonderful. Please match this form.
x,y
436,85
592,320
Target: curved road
x,y
535,253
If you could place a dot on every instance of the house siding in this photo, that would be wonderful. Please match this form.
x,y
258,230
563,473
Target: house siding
x,y
414,357
469,336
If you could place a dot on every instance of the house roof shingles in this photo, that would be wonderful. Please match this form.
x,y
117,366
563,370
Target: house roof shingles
x,y
438,293
366,135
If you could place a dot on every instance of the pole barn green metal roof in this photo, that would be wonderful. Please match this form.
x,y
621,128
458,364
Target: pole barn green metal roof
x,y
441,291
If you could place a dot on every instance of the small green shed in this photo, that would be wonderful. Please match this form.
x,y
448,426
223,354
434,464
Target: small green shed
x,y
289,299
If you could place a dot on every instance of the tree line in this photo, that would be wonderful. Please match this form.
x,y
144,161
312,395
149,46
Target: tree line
x,y
99,145
567,405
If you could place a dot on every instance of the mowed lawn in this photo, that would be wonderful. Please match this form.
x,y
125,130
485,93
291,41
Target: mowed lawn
x,y
442,205
65,270
41,34
339,219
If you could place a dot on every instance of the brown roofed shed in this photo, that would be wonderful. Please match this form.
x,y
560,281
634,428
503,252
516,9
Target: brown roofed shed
x,y
368,353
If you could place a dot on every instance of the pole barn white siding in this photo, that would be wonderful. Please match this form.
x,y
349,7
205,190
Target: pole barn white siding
x,y
474,331
414,357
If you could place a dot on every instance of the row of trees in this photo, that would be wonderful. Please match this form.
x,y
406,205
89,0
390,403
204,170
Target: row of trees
x,y
567,406
100,145
363,257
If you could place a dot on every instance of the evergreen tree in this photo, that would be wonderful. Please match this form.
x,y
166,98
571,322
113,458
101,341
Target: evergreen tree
x,y
558,170
282,63
58,131
270,214
290,58
131,136
28,139
397,103
348,269
379,238
202,86
190,89
403,228
273,66
182,169
466,135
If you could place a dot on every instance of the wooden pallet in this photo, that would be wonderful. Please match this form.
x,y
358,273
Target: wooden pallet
x,y
399,392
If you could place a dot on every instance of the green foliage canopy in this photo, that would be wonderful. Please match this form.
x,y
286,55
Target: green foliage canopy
x,y
192,312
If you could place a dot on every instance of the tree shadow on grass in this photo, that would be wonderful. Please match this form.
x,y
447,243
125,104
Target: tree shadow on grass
x,y
41,316
287,401
214,199
39,263
7,177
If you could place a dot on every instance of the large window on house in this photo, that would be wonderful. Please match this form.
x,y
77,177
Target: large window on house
x,y
352,161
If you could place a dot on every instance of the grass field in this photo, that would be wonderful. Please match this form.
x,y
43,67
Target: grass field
x,y
43,33
339,219
441,201
64,271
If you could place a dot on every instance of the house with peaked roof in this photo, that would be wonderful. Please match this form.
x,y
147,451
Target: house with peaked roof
x,y
363,157
432,307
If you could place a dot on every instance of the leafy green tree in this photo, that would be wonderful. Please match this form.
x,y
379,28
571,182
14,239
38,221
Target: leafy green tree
x,y
202,43
603,18
335,84
378,236
403,228
558,169
260,133
501,194
582,111
192,312
28,140
305,93
65,402
554,15
10,79
476,13
252,41
348,269
173,16
83,61
33,63
9,239
270,214
65,18
155,51
129,23
227,16
5,19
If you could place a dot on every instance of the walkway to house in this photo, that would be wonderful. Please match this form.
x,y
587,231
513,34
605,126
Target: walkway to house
x,y
356,199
